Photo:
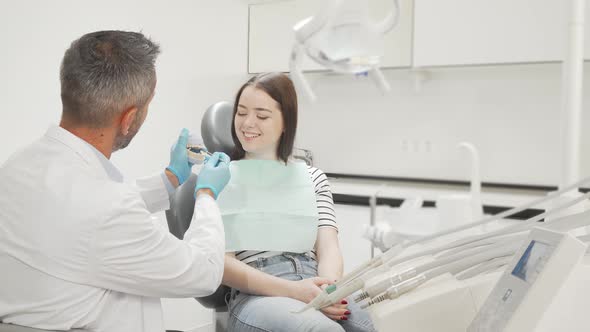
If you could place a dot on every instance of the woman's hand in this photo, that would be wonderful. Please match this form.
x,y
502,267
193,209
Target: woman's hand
x,y
337,311
307,289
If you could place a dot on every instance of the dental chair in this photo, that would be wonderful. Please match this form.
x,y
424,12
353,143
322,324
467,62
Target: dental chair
x,y
216,133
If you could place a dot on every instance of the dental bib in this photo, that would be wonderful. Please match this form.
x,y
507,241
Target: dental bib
x,y
268,205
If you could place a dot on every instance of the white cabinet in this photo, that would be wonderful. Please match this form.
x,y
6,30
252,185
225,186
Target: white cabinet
x,y
473,32
430,32
271,34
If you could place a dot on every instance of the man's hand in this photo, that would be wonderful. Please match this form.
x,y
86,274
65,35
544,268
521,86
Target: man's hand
x,y
179,164
215,174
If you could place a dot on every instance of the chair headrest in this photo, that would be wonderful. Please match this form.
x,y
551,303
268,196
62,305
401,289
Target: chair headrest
x,y
216,127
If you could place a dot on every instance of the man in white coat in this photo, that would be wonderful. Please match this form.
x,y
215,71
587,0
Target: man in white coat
x,y
78,248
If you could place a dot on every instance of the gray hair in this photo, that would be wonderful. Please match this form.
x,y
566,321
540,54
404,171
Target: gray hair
x,y
106,72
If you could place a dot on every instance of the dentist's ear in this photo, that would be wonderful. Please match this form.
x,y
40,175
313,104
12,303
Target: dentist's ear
x,y
126,120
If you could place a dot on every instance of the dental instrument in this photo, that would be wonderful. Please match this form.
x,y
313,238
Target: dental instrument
x,y
452,268
453,264
397,290
452,302
392,252
509,243
380,264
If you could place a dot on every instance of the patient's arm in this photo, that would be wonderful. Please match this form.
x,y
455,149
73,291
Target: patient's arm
x,y
330,266
247,279
328,254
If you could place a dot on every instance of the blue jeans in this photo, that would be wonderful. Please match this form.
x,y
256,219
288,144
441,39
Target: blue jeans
x,y
253,313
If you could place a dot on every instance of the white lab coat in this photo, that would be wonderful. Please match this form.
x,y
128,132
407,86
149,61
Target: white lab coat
x,y
78,248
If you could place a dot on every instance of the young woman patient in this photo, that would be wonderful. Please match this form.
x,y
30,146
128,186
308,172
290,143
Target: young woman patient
x,y
272,280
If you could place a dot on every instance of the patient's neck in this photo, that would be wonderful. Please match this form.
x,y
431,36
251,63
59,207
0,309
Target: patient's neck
x,y
261,156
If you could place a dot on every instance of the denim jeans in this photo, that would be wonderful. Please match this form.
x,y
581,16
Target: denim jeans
x,y
262,313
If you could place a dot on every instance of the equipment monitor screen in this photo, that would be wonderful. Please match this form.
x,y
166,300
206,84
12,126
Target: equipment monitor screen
x,y
531,262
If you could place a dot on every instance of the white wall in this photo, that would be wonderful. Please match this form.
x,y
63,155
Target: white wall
x,y
510,112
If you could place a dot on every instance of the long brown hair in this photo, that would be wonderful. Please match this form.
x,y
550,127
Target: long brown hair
x,y
280,88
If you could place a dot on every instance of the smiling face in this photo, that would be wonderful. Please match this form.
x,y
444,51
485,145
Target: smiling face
x,y
264,121
258,124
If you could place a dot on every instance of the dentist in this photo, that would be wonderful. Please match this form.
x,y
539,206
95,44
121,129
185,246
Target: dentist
x,y
78,248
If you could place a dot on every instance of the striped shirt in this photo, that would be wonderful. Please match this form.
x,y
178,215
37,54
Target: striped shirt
x,y
326,215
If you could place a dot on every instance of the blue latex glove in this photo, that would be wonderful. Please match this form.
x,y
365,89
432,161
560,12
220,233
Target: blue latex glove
x,y
215,173
179,163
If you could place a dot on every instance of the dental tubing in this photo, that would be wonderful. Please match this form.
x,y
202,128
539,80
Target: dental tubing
x,y
356,280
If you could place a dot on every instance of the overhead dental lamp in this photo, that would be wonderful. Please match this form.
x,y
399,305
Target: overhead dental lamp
x,y
342,38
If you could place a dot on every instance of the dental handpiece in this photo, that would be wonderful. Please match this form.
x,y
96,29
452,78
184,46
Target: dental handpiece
x,y
397,290
392,280
359,283
198,149
353,282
